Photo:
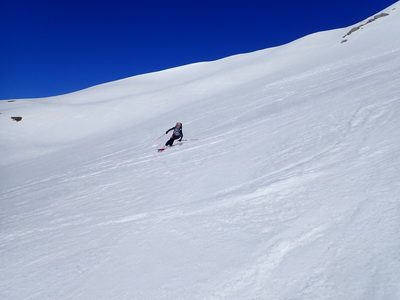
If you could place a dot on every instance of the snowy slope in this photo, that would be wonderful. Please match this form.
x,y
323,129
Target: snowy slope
x,y
291,192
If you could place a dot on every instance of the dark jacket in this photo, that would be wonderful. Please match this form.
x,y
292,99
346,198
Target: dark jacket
x,y
178,133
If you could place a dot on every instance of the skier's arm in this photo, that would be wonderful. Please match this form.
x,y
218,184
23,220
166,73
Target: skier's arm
x,y
181,136
169,130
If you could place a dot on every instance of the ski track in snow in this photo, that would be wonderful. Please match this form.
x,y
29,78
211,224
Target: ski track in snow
x,y
291,192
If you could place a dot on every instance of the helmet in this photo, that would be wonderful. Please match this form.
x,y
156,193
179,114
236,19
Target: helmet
x,y
179,124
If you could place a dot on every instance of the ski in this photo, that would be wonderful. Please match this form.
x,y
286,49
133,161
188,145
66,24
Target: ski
x,y
162,149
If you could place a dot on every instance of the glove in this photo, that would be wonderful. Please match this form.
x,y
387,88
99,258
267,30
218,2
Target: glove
x,y
166,132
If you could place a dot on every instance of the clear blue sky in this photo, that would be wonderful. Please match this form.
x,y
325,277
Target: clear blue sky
x,y
52,47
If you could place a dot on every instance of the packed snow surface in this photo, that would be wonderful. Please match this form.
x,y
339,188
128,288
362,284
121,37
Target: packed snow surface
x,y
287,186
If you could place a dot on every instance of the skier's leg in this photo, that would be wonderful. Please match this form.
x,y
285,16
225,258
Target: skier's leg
x,y
170,142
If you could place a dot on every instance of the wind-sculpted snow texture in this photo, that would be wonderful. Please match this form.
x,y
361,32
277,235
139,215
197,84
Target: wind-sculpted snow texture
x,y
291,192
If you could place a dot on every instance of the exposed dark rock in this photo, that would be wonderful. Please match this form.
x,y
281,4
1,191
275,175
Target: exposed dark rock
x,y
376,17
16,118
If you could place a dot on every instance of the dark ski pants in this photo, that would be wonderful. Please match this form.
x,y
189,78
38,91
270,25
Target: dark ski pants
x,y
171,140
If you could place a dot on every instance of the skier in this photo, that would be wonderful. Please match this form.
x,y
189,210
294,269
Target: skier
x,y
177,134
